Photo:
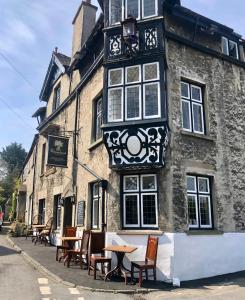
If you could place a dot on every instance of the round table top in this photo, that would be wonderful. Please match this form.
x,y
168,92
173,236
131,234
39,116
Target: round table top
x,y
124,249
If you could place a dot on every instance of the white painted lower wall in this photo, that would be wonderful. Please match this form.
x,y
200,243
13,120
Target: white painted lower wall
x,y
188,257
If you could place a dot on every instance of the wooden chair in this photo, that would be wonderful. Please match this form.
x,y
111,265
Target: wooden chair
x,y
148,263
30,230
68,231
46,232
97,254
81,254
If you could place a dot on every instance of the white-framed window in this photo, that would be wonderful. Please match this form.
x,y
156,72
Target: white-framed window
x,y
229,47
96,206
56,100
192,108
199,202
98,119
120,10
140,201
139,93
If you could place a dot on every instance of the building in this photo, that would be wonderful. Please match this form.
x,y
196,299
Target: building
x,y
150,108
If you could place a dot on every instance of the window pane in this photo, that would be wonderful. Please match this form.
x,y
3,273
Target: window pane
x,y
98,131
115,77
95,213
95,189
131,183
203,185
192,212
151,72
225,48
151,99
196,93
132,8
185,90
133,74
133,102
204,211
197,118
116,11
115,104
148,182
149,209
149,7
131,210
186,123
191,184
233,50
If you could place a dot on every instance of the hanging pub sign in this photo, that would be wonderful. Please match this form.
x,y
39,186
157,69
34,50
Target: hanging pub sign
x,y
57,151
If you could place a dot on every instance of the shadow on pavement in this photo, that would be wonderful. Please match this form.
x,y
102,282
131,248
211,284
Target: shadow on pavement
x,y
4,251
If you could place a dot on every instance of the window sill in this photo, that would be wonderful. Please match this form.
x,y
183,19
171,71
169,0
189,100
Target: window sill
x,y
197,135
139,232
204,232
95,144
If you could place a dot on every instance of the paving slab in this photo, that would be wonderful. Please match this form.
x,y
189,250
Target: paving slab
x,y
44,257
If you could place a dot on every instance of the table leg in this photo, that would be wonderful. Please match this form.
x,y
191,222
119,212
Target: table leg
x,y
119,268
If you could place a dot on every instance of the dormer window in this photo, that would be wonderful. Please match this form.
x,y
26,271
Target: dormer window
x,y
56,102
230,48
138,9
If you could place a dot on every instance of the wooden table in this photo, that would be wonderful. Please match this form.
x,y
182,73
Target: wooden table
x,y
120,252
71,240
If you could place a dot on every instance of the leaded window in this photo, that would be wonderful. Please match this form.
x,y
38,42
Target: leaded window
x,y
134,93
56,102
229,48
96,199
98,119
199,202
122,9
192,108
140,201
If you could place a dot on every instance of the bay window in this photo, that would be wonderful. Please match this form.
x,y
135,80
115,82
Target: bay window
x,y
199,202
135,90
120,10
140,204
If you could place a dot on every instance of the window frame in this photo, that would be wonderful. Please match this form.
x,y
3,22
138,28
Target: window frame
x,y
140,192
124,14
142,83
126,102
122,104
197,194
226,49
192,102
143,11
94,198
95,118
158,101
55,104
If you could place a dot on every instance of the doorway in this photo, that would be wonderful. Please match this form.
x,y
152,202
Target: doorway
x,y
68,207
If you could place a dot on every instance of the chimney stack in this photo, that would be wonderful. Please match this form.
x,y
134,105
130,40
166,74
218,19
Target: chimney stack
x,y
83,24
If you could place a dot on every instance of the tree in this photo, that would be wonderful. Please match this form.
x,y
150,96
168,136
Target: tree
x,y
13,156
11,162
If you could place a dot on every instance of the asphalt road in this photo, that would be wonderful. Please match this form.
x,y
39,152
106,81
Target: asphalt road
x,y
20,281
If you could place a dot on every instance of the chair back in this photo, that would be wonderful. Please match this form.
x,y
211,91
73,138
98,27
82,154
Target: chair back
x,y
97,242
151,251
85,241
70,231
49,223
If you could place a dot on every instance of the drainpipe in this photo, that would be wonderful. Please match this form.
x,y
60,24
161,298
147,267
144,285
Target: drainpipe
x,y
34,180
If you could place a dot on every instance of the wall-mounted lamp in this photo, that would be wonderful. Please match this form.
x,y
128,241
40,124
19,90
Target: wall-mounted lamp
x,y
129,32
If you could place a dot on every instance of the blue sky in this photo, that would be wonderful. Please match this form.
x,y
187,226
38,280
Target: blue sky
x,y
29,32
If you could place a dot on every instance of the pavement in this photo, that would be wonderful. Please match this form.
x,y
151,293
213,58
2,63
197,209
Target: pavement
x,y
34,268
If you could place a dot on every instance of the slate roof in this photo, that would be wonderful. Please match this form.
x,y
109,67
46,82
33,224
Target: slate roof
x,y
65,60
